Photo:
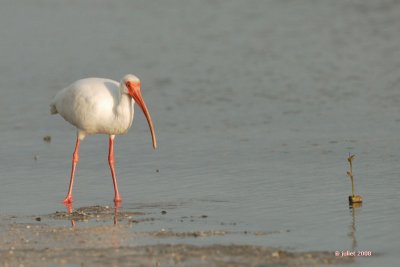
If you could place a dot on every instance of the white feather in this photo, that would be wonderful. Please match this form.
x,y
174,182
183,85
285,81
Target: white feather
x,y
95,105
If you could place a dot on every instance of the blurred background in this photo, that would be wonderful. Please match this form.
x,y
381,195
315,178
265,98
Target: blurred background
x,y
256,105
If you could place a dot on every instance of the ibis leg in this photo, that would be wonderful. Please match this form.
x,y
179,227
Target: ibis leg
x,y
75,159
117,197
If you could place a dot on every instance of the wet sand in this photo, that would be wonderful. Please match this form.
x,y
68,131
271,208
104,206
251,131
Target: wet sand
x,y
44,244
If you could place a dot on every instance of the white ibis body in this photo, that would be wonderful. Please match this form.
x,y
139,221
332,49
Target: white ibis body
x,y
100,106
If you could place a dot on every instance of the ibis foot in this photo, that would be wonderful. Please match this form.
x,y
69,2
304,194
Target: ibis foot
x,y
117,199
68,200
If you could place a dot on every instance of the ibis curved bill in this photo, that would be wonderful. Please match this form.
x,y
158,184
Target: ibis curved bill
x,y
100,106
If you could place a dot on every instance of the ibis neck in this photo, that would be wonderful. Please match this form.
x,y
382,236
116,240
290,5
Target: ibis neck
x,y
124,111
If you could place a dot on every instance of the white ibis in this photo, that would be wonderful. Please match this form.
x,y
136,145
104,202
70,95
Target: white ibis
x,y
100,106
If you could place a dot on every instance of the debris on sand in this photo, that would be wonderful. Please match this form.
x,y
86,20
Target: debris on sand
x,y
168,233
94,212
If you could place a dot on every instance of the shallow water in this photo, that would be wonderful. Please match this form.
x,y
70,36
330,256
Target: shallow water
x,y
256,107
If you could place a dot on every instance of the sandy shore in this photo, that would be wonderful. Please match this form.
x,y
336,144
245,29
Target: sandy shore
x,y
42,243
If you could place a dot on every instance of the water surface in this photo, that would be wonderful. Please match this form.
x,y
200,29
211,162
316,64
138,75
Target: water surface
x,y
256,106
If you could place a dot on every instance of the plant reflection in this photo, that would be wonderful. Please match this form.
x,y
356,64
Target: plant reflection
x,y
355,208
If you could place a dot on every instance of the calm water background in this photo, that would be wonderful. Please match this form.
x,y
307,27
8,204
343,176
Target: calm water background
x,y
256,105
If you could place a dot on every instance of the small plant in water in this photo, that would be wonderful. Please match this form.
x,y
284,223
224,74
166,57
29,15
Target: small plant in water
x,y
353,198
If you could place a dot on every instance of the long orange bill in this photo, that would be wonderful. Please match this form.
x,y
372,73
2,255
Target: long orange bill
x,y
139,100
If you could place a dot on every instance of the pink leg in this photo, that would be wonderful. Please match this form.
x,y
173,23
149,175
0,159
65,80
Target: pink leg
x,y
75,159
117,197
